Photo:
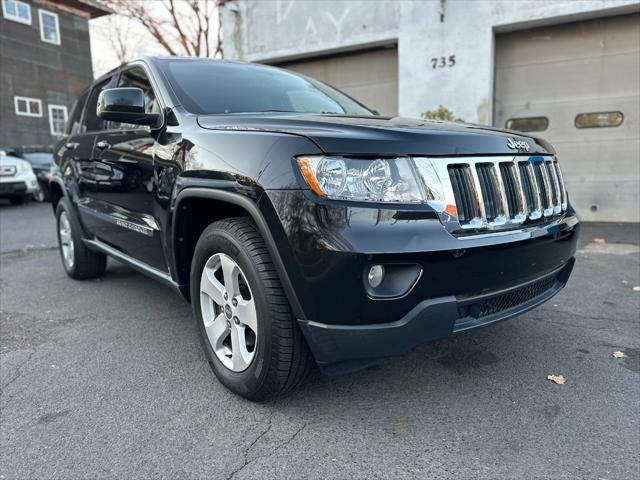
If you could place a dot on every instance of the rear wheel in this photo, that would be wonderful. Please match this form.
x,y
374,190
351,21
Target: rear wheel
x,y
248,333
78,261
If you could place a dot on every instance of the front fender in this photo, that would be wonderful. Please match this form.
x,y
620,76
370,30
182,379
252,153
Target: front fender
x,y
263,214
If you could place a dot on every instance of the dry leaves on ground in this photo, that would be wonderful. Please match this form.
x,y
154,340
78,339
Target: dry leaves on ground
x,y
559,379
618,354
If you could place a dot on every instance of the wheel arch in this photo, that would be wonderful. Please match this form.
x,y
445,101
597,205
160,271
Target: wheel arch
x,y
193,220
56,189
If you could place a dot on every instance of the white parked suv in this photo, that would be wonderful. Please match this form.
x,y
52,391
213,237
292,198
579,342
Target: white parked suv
x,y
17,181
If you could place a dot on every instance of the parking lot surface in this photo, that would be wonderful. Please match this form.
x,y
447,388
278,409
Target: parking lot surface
x,y
106,379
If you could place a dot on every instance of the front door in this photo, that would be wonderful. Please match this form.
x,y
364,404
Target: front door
x,y
120,203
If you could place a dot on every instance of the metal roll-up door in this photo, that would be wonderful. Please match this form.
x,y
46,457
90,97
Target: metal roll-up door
x,y
578,86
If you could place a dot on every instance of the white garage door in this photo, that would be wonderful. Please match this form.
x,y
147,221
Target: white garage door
x,y
578,86
371,77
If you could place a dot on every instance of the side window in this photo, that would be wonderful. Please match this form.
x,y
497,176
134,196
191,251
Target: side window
x,y
91,121
73,124
137,77
599,120
528,124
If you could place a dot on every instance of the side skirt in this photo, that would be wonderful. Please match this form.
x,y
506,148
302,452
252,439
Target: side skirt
x,y
142,267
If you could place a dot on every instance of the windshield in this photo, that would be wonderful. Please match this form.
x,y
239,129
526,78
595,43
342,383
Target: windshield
x,y
216,87
39,158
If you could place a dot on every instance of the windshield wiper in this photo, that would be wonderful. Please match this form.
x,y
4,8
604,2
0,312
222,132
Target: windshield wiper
x,y
275,111
295,111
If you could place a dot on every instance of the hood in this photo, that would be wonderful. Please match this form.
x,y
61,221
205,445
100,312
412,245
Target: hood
x,y
8,160
340,134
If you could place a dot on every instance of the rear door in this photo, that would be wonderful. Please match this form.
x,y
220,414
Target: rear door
x,y
75,155
120,203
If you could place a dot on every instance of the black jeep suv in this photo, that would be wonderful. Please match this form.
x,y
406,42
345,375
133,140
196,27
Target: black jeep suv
x,y
300,224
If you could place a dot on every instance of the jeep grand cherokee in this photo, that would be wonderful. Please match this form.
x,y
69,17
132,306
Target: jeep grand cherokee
x,y
301,225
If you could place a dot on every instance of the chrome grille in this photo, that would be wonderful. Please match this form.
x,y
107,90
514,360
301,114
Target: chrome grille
x,y
507,194
493,193
464,192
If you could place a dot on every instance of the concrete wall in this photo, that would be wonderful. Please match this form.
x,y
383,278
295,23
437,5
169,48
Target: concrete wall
x,y
286,29
280,30
55,74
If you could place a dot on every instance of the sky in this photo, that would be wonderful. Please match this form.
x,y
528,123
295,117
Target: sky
x,y
104,31
116,29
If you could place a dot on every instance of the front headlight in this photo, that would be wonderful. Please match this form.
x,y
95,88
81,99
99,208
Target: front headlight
x,y
24,167
392,180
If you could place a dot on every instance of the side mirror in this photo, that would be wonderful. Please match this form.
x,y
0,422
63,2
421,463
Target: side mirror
x,y
124,105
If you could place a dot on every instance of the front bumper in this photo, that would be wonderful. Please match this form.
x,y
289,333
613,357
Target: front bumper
x,y
326,248
343,348
18,185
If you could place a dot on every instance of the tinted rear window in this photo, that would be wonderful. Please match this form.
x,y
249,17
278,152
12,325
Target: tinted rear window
x,y
213,87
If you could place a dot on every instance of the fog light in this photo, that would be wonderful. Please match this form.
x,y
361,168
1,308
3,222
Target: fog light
x,y
376,275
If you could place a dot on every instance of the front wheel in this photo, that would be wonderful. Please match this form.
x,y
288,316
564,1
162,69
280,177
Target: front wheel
x,y
248,333
40,195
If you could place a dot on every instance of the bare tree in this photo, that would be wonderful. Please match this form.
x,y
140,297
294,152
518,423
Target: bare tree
x,y
125,41
181,27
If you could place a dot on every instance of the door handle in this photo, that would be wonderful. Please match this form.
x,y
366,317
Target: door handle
x,y
71,145
102,145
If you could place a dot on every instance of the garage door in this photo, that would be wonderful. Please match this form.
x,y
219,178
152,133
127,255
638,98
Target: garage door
x,y
578,86
370,77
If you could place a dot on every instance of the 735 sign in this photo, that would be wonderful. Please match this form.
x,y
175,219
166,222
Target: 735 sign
x,y
443,62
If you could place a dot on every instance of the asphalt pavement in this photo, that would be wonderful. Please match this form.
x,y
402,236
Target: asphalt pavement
x,y
106,379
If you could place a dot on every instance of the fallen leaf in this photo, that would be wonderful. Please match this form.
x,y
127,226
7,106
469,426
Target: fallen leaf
x,y
559,379
619,354
636,288
599,241
400,429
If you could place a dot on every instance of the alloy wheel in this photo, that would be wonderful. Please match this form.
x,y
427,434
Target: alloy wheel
x,y
228,312
66,240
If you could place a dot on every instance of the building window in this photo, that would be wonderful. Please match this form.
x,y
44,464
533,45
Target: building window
x,y
57,119
29,107
16,11
528,124
599,120
49,27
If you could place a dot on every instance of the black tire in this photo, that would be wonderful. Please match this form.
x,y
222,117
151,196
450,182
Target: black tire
x,y
42,195
86,263
20,200
282,359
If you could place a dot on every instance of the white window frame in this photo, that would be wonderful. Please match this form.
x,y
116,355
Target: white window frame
x,y
42,37
66,118
17,18
27,99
